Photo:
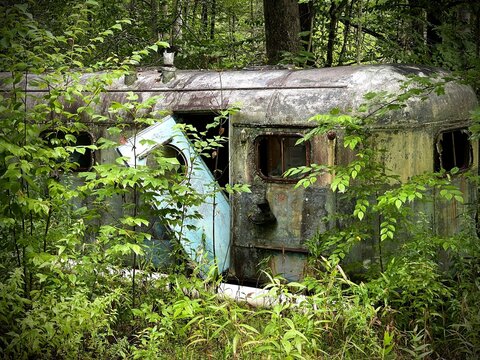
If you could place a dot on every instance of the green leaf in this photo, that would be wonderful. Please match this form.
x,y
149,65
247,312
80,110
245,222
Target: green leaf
x,y
136,249
360,215
398,203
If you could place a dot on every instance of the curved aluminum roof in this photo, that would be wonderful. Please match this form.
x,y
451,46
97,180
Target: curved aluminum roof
x,y
291,97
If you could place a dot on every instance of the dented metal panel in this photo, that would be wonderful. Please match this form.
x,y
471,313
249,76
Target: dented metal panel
x,y
290,97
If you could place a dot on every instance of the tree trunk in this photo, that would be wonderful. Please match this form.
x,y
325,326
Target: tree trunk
x,y
334,12
154,6
346,32
282,28
359,40
204,17
213,14
434,21
477,31
176,32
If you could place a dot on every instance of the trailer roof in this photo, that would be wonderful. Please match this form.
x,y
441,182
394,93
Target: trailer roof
x,y
290,97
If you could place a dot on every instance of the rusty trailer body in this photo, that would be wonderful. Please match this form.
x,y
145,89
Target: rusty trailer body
x,y
271,225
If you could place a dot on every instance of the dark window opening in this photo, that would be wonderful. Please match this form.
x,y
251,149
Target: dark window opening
x,y
278,153
453,149
83,160
218,158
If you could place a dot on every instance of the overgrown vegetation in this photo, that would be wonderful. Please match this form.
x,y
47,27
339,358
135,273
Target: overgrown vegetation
x,y
416,285
75,282
230,33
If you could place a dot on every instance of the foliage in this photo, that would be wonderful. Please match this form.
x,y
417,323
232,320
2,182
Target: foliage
x,y
360,31
230,34
414,283
60,326
75,282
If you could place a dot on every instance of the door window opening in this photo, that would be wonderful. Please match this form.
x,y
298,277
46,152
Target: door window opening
x,y
174,161
84,160
217,159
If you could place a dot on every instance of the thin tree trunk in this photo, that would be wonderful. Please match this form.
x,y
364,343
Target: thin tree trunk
x,y
212,19
176,33
360,32
346,31
163,31
154,12
307,15
332,32
477,31
204,17
252,19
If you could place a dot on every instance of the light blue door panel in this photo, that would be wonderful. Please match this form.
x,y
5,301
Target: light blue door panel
x,y
209,236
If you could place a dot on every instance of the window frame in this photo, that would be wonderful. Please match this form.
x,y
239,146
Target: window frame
x,y
438,161
48,134
280,179
184,163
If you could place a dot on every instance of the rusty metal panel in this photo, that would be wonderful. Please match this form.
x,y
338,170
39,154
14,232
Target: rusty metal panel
x,y
253,262
290,97
449,216
406,152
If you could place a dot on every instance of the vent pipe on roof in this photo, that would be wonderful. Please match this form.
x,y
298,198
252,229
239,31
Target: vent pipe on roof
x,y
168,69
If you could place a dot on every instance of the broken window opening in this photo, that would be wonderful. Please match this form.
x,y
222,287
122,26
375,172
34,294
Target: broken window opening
x,y
218,158
84,160
453,150
278,153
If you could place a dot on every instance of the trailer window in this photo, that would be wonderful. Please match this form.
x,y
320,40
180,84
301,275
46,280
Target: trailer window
x,y
170,157
84,159
278,153
453,149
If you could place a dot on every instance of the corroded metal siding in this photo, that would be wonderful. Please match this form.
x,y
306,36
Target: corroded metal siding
x,y
450,217
408,151
298,214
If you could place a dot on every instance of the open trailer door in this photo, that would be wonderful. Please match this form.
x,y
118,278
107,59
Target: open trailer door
x,y
210,235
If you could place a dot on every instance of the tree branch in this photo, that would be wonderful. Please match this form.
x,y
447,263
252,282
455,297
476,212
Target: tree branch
x,y
379,36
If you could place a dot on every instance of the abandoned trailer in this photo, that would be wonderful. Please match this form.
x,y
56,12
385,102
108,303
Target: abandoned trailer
x,y
269,227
